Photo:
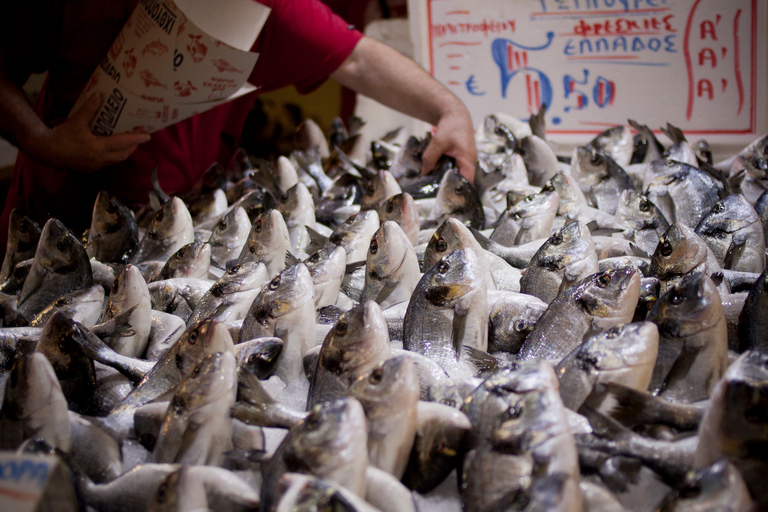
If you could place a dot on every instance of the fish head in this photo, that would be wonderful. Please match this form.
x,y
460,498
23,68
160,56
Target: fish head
x,y
259,356
59,250
453,277
399,208
328,263
57,343
128,287
331,430
678,252
393,383
23,232
171,219
455,192
451,235
535,204
296,202
358,341
620,347
387,250
214,378
231,224
727,216
30,386
570,243
204,337
268,232
286,292
285,174
609,294
361,225
637,211
191,260
690,306
379,189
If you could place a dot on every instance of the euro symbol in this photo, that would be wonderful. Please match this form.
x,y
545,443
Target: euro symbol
x,y
471,87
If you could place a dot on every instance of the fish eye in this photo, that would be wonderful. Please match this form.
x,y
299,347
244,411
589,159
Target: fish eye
x,y
521,325
376,375
390,206
180,254
604,280
314,258
443,267
449,402
311,423
151,234
516,216
557,239
645,206
676,299
274,284
370,190
374,248
341,328
63,244
594,159
193,337
666,247
111,207
459,190
718,208
441,245
670,163
530,198
234,270
162,494
512,413
178,406
23,226
257,226
351,219
223,223
160,215
614,332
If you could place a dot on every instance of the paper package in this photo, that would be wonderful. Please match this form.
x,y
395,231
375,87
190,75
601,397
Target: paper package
x,y
173,60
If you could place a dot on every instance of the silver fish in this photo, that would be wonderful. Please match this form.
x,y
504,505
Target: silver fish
x,y
170,229
229,236
392,268
23,236
268,242
114,235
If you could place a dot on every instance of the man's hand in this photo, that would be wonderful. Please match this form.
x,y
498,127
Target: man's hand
x,y
453,137
71,145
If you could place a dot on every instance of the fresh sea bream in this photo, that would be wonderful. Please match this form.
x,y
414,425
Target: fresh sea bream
x,y
332,329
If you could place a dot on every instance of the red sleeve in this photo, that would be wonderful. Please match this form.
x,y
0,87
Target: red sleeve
x,y
302,43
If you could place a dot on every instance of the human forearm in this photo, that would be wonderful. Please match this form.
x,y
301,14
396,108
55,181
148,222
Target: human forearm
x,y
379,72
68,145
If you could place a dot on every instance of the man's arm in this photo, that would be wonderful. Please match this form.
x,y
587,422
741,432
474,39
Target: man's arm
x,y
380,72
69,145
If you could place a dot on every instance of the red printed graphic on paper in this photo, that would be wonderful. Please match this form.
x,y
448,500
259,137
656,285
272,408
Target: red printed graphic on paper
x,y
184,89
130,63
196,49
154,48
223,65
117,47
149,79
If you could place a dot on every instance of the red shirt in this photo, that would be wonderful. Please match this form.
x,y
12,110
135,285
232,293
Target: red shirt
x,y
302,43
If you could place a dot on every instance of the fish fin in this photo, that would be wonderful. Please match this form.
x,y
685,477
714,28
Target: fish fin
x,y
118,327
250,390
718,277
485,363
483,240
316,241
605,426
595,229
351,267
674,133
161,196
538,124
719,176
637,251
629,404
290,259
363,171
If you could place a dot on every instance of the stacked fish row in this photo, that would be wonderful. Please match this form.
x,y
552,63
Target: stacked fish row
x,y
335,330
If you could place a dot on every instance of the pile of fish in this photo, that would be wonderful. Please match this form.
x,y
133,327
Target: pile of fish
x,y
334,330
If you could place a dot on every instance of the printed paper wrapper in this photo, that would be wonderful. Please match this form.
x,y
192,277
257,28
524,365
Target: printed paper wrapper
x,y
164,67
